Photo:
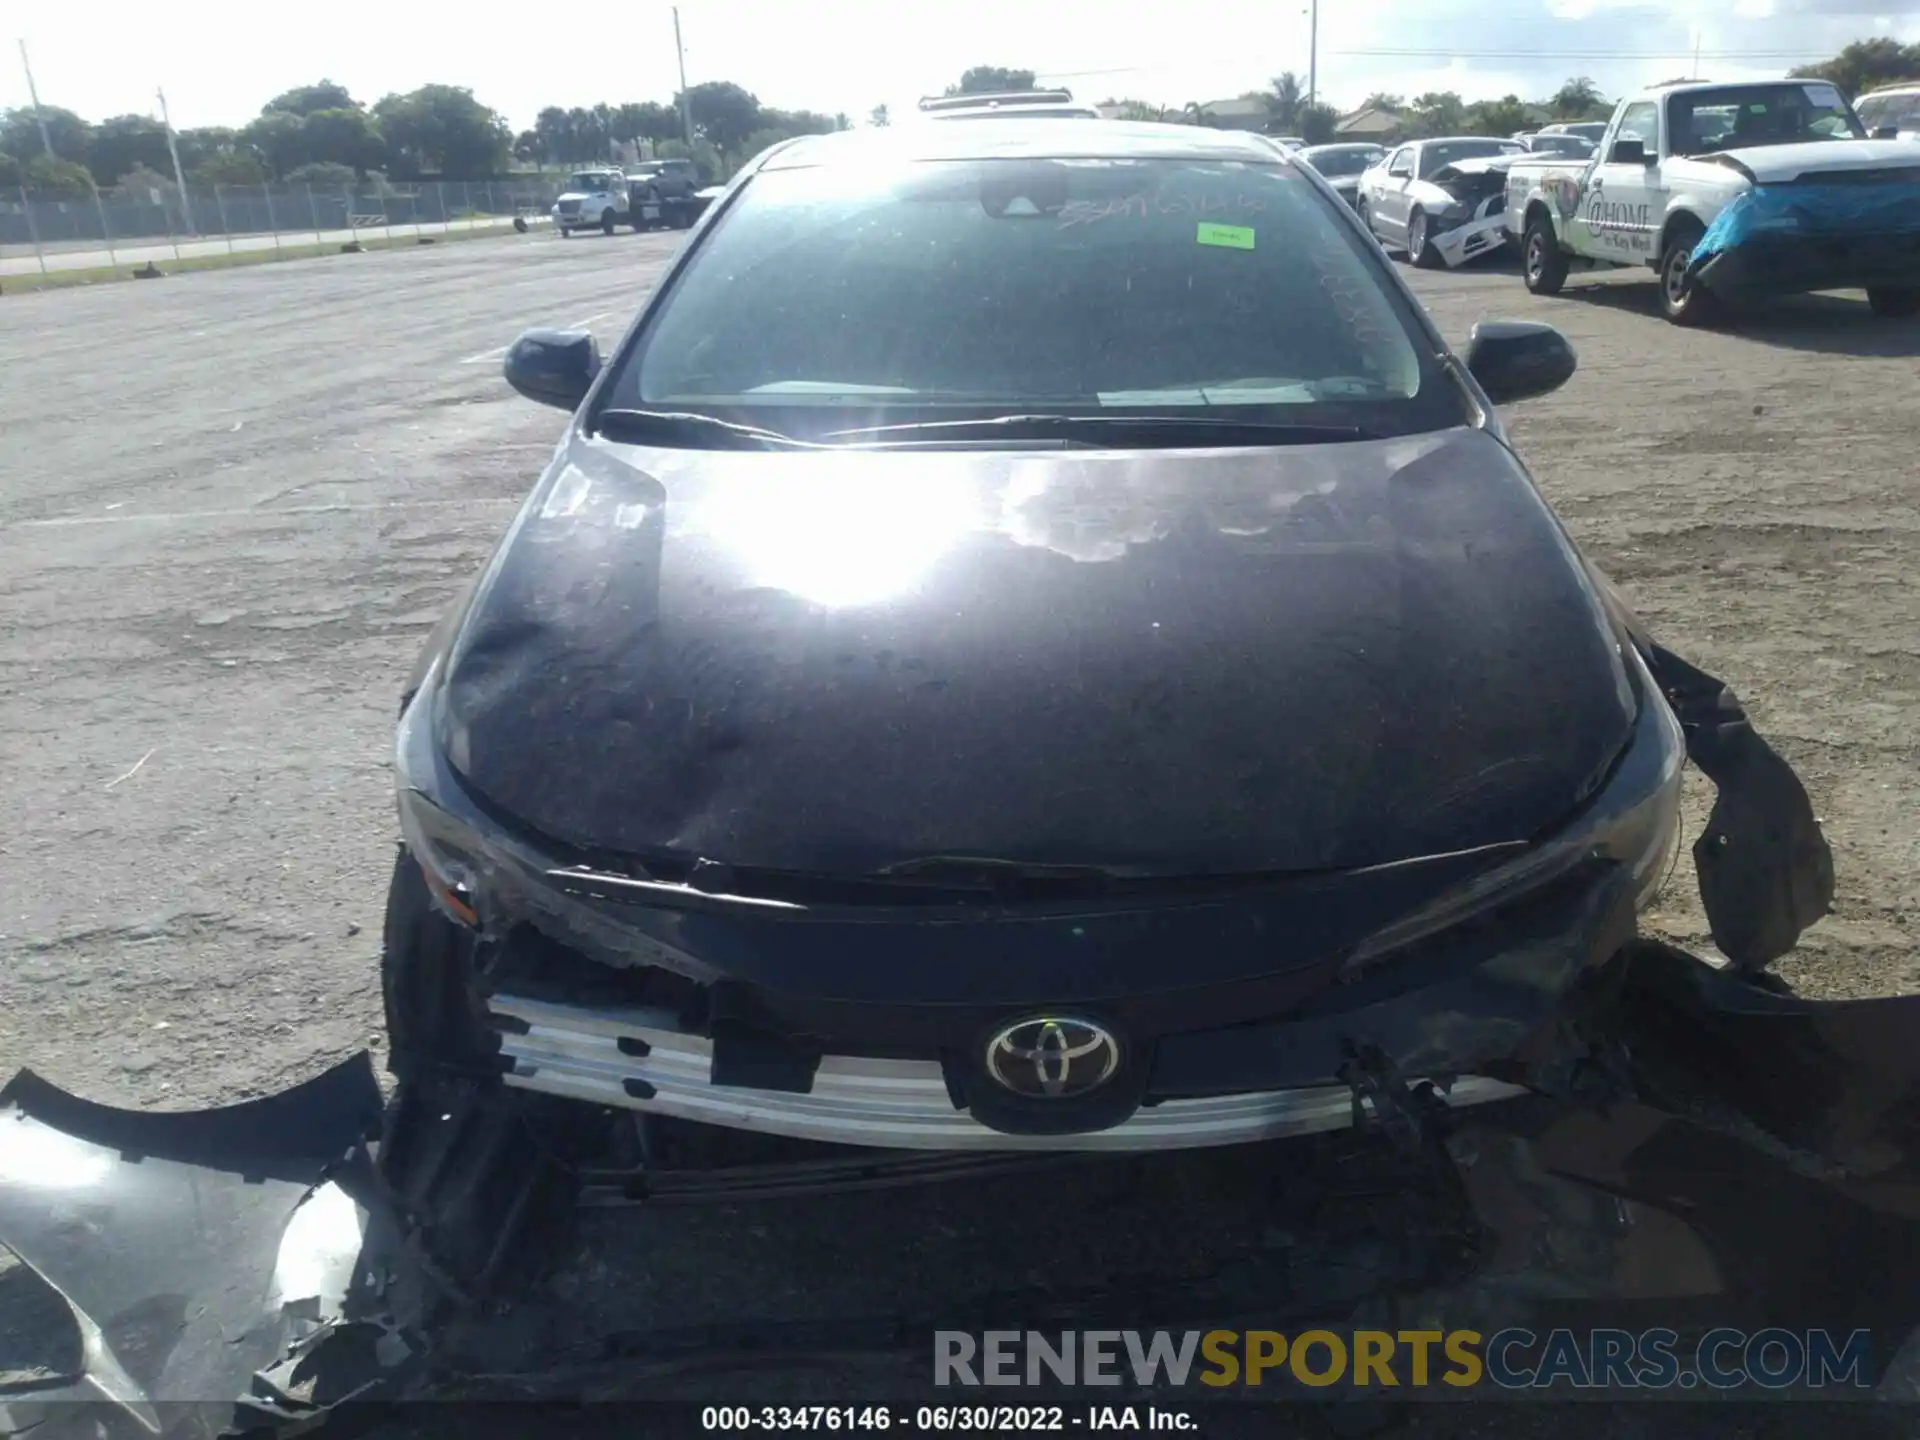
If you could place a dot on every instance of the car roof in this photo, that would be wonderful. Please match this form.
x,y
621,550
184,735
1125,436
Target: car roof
x,y
1341,145
1456,139
1057,138
1900,87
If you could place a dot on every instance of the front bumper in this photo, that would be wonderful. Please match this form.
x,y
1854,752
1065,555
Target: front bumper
x,y
1789,264
1483,233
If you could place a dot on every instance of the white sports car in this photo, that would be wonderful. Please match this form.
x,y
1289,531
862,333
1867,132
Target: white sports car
x,y
1441,201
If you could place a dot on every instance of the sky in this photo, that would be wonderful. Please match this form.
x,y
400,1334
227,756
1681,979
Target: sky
x,y
220,60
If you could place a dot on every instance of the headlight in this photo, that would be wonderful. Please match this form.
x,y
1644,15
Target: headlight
x,y
1634,819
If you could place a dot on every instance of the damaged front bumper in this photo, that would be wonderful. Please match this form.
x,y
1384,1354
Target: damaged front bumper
x,y
1798,237
1755,1163
158,1271
1482,233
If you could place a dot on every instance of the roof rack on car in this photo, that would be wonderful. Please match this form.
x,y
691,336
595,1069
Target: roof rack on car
x,y
934,104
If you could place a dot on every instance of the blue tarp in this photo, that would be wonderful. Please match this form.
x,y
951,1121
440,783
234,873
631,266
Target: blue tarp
x,y
1814,211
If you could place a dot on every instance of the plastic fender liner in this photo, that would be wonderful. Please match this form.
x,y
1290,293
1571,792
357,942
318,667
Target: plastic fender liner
x,y
1766,871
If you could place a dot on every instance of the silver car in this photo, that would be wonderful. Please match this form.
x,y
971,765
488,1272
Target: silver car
x,y
1343,165
1417,200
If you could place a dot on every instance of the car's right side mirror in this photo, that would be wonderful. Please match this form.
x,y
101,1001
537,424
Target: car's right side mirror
x,y
1885,132
1628,152
1518,359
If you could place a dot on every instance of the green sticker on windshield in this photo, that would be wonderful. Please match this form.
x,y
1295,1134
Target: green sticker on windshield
x,y
1234,237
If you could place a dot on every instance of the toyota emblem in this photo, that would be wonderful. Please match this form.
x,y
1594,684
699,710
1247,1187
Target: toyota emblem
x,y
1052,1057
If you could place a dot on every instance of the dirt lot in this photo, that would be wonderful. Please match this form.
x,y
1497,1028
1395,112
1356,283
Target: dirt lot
x,y
231,505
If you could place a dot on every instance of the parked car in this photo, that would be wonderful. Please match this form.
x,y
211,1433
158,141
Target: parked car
x,y
1590,130
670,187
1034,640
1343,165
1421,200
1577,146
1728,192
1891,112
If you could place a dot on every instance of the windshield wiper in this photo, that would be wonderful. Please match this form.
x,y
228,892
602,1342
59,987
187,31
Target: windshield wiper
x,y
706,431
1124,431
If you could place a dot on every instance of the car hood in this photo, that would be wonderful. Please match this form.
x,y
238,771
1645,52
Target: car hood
x,y
1166,662
1772,164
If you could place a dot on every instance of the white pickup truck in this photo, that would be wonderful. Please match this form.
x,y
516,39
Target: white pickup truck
x,y
1728,192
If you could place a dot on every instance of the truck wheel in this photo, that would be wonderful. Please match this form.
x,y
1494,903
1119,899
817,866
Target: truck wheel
x,y
1541,259
1684,300
566,232
1894,302
1420,251
606,222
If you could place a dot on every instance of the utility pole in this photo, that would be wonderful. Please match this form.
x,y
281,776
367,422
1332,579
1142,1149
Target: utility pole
x,y
686,110
46,139
1313,53
173,149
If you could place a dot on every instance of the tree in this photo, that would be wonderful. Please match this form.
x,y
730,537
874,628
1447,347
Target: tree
x,y
228,167
305,99
280,138
57,177
526,147
723,113
1316,121
1384,100
443,131
1143,110
991,80
708,162
1438,112
20,134
1865,64
322,172
878,118
1505,116
348,137
124,141
1284,100
1578,99
646,120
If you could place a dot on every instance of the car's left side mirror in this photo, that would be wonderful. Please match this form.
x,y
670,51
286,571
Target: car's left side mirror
x,y
555,367
1518,359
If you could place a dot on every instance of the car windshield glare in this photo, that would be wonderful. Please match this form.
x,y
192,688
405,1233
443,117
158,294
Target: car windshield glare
x,y
590,180
1701,122
843,295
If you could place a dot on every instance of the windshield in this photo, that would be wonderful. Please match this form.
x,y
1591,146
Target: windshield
x,y
1902,112
1437,154
1700,122
590,180
1562,145
964,289
1342,161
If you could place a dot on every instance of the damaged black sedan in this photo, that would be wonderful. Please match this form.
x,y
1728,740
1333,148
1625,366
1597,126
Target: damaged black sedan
x,y
1033,640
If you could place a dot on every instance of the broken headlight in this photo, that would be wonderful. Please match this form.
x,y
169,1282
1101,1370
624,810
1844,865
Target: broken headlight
x,y
1633,819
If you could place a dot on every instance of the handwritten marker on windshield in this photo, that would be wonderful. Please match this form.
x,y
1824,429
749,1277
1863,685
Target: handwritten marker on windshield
x,y
1234,237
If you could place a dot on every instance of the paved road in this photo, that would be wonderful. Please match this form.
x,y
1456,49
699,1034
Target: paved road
x,y
92,255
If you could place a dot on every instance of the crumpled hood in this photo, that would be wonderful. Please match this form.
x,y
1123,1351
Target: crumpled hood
x,y
1770,164
1166,662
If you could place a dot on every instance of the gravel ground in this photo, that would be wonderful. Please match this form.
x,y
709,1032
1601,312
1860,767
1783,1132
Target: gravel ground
x,y
232,504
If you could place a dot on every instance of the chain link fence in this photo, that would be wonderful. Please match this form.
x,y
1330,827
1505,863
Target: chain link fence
x,y
41,233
